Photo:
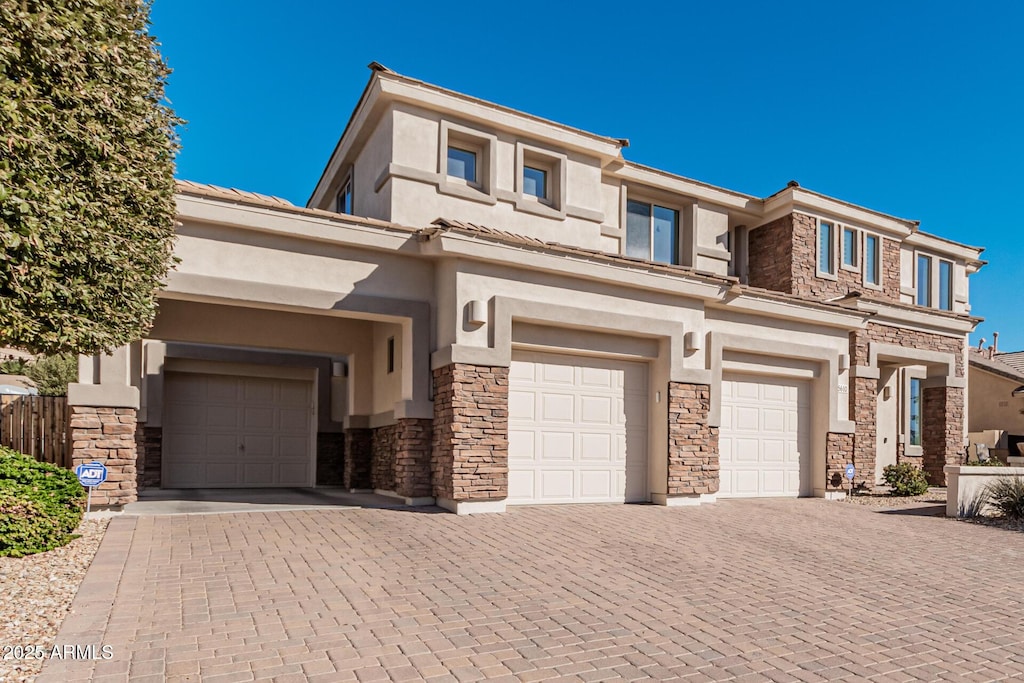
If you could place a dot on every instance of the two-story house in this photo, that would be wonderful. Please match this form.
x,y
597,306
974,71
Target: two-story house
x,y
482,308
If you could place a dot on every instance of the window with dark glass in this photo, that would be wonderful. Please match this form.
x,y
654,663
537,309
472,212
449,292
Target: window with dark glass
x,y
871,270
915,412
826,250
345,198
391,355
850,247
652,232
535,182
946,285
924,281
462,164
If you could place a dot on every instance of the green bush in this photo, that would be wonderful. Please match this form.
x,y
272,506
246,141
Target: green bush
x,y
40,504
905,479
1006,497
53,374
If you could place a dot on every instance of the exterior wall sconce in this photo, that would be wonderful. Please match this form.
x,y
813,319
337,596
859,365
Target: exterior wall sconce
x,y
476,312
693,341
844,362
886,393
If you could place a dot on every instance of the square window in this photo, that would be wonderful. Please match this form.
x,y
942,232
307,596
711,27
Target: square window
x,y
462,164
652,232
535,182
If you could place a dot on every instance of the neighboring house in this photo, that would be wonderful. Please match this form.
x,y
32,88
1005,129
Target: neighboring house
x,y
480,307
995,409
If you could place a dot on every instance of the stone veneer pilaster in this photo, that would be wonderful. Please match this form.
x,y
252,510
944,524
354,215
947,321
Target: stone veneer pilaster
x,y
942,435
470,432
107,436
358,458
149,449
693,466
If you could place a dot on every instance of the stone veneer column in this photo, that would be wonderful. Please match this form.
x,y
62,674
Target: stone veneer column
x,y
412,466
693,468
358,458
107,436
385,444
942,431
470,436
864,410
330,458
839,451
149,447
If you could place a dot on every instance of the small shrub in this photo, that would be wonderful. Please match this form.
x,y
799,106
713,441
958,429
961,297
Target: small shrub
x,y
905,479
1006,497
40,504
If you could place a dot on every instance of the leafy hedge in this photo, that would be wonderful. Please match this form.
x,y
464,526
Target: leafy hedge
x,y
905,479
40,504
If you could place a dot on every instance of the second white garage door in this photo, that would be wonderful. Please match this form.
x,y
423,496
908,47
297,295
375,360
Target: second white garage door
x,y
764,440
232,431
577,430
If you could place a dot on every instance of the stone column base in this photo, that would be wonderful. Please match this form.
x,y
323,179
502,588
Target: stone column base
x,y
107,436
683,500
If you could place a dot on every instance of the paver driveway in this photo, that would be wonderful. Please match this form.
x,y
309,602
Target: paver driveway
x,y
739,590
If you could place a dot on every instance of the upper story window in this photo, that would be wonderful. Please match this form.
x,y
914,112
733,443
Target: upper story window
x,y
826,248
462,164
344,201
946,285
924,280
535,182
851,252
872,261
652,232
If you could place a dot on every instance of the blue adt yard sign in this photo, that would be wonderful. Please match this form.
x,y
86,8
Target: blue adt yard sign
x,y
90,475
850,472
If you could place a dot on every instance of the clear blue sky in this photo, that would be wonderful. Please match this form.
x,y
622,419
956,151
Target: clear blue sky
x,y
911,108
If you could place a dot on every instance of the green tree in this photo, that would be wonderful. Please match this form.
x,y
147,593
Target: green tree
x,y
53,374
87,147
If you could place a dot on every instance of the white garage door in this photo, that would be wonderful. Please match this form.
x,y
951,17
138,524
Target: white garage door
x,y
231,431
577,430
764,440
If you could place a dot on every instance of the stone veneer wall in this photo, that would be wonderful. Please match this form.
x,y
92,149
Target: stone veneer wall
x,y
784,258
107,435
358,458
470,432
149,447
330,459
412,460
693,465
839,450
770,255
944,422
385,445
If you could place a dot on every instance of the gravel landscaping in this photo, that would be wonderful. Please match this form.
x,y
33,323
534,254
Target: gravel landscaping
x,y
36,595
883,499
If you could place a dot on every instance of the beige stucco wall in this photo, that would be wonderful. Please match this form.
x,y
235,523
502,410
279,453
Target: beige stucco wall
x,y
990,405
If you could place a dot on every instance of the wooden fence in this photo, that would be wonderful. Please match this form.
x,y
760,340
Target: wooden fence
x,y
36,426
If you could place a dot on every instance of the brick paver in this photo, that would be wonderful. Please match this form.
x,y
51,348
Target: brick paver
x,y
759,590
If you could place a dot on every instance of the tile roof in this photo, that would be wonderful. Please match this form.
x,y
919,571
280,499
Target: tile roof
x,y
998,365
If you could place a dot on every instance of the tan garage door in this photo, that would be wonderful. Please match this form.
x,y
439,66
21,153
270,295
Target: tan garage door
x,y
764,441
231,431
577,430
